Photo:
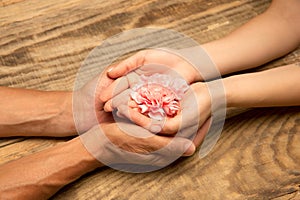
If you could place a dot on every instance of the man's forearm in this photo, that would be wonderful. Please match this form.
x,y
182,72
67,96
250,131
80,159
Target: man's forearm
x,y
262,39
274,87
40,175
35,113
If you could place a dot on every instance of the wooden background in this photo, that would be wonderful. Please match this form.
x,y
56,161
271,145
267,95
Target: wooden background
x,y
42,45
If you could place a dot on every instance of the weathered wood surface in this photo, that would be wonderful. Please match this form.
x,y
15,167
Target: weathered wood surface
x,y
42,44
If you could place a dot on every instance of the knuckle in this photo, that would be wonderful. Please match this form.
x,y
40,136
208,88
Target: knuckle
x,y
169,129
142,56
103,97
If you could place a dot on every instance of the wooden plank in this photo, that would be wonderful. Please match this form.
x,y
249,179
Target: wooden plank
x,y
17,148
251,161
44,42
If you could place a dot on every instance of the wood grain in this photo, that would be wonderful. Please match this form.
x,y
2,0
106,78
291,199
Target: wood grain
x,y
43,44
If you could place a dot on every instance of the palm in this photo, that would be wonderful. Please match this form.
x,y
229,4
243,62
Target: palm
x,y
88,104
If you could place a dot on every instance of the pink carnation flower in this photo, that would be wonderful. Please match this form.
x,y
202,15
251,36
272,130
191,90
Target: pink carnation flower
x,y
158,95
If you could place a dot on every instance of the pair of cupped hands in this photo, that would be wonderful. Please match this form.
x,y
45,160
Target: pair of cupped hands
x,y
116,132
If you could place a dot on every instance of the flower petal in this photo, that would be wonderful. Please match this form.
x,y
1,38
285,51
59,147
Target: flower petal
x,y
159,94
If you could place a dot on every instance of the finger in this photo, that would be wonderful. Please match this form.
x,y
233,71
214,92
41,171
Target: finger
x,y
190,150
177,146
121,99
111,67
114,89
119,86
189,118
127,65
102,80
202,132
132,78
155,126
120,115
152,68
172,125
132,104
167,126
108,106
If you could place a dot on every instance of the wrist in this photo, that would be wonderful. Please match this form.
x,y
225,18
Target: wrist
x,y
202,93
240,92
67,114
81,155
189,72
62,120
203,67
184,64
189,58
231,91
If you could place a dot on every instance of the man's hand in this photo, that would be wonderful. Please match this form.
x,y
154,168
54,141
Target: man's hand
x,y
42,174
88,102
128,144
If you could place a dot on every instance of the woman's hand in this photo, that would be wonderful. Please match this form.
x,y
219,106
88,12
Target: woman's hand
x,y
195,111
157,61
169,58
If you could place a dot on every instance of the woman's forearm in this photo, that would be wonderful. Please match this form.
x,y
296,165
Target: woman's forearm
x,y
40,175
274,87
270,35
35,113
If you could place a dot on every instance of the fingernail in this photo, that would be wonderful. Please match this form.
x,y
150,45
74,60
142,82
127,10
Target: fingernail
x,y
190,149
155,128
110,69
187,146
110,106
107,109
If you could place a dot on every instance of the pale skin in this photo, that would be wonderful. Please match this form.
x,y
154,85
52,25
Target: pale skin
x,y
251,45
40,175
